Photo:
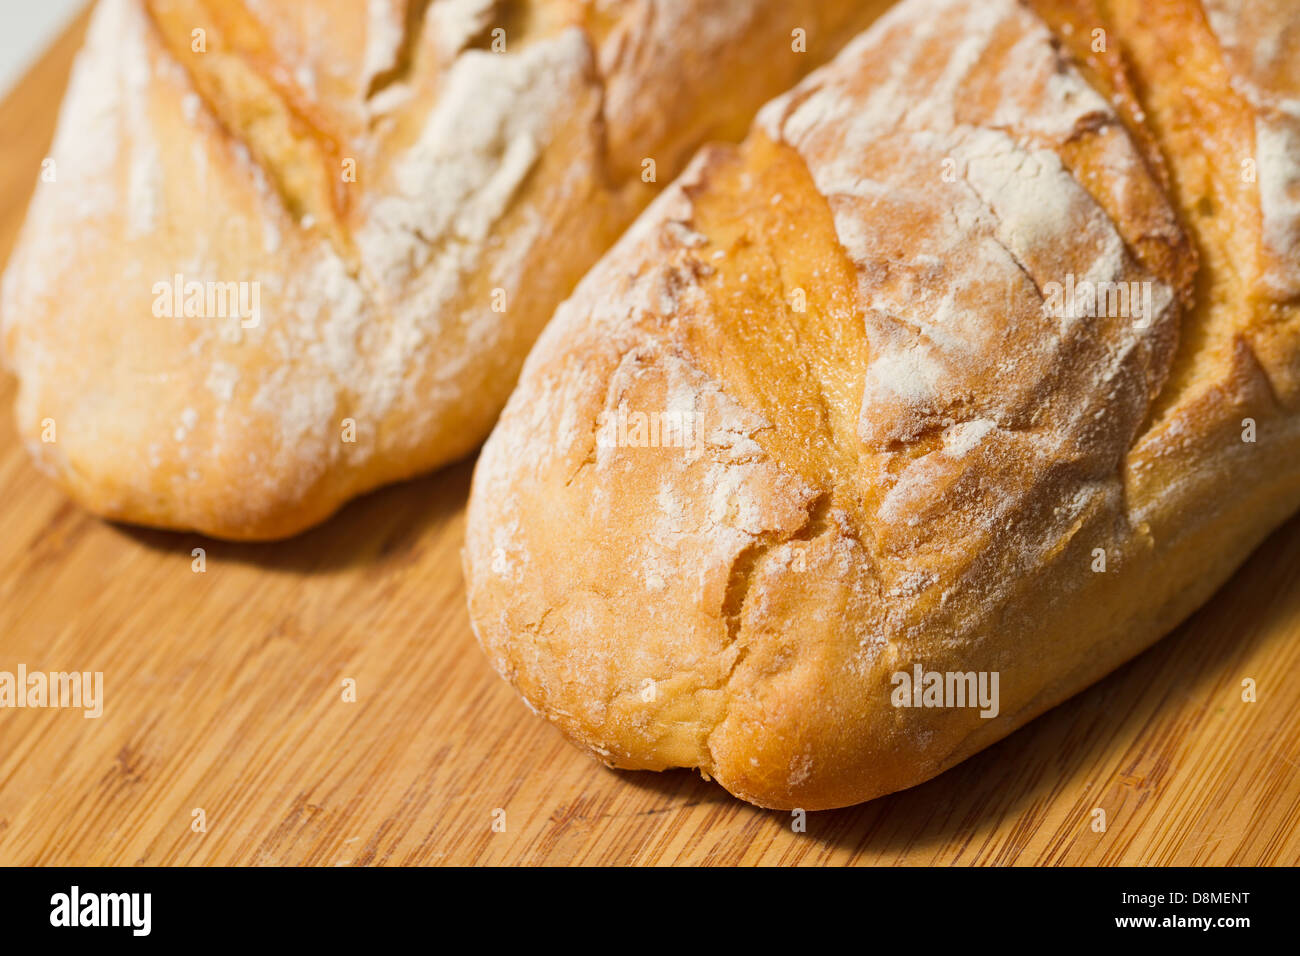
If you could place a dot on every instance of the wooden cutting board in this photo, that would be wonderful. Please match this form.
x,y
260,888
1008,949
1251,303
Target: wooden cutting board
x,y
224,694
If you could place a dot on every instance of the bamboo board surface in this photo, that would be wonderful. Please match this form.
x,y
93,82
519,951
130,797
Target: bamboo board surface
x,y
223,694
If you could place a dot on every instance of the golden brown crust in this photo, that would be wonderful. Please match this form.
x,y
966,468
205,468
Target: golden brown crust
x,y
905,455
409,205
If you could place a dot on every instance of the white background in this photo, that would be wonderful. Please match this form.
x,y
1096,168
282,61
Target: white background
x,y
27,27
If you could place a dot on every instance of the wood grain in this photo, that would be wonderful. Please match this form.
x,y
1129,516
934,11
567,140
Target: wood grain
x,y
224,693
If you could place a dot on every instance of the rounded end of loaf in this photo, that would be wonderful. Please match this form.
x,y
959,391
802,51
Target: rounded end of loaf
x,y
732,660
90,446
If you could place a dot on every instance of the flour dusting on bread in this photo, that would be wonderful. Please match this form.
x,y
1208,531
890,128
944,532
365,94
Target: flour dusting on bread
x,y
944,372
410,187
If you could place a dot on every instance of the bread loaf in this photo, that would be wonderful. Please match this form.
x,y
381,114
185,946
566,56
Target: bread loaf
x,y
971,373
284,252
